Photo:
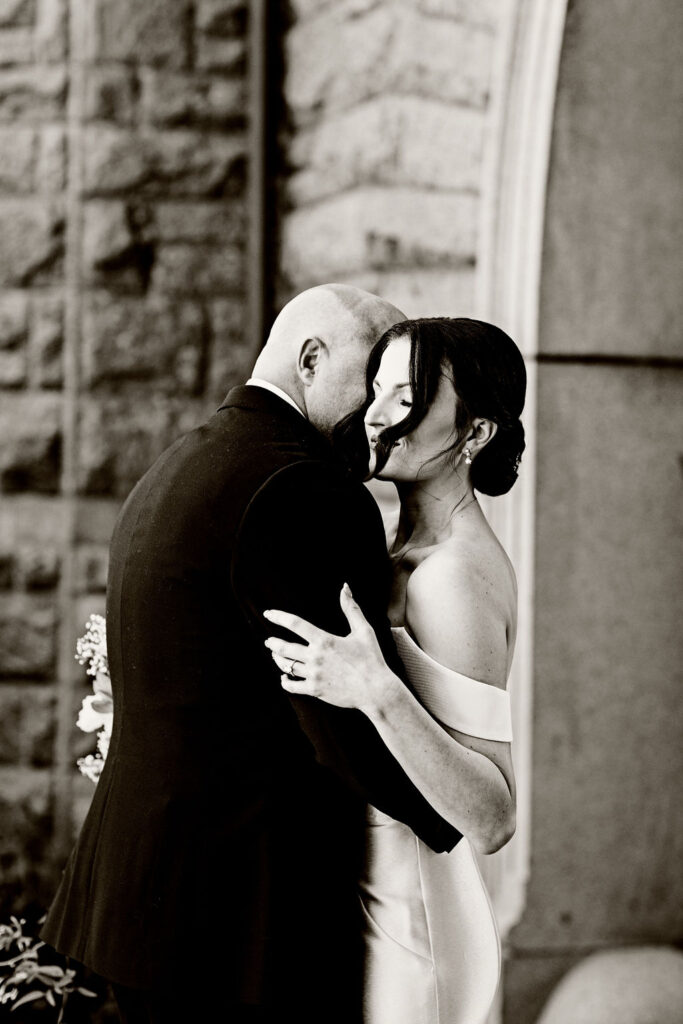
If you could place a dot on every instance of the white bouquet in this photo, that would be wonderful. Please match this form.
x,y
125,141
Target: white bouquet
x,y
97,709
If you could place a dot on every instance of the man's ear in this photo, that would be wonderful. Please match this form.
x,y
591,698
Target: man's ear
x,y
309,359
481,432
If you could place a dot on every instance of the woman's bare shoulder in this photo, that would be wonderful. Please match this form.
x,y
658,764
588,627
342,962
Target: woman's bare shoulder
x,y
460,566
461,606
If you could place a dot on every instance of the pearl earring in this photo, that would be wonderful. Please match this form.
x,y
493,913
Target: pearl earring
x,y
468,457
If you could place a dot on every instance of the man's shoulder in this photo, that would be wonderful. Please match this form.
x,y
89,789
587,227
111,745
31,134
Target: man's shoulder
x,y
311,481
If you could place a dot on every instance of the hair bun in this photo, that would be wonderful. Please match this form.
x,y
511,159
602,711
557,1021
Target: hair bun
x,y
495,468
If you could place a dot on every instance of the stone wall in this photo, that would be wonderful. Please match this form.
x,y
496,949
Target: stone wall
x,y
387,104
122,280
607,836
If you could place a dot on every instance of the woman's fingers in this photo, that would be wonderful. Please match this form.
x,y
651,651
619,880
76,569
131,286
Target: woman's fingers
x,y
352,610
287,649
295,624
295,685
290,666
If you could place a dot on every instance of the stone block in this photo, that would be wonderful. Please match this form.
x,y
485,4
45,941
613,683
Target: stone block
x,y
120,438
36,568
26,724
30,443
13,368
393,140
111,93
219,221
199,269
117,247
6,570
221,17
350,8
13,318
17,12
32,520
156,32
18,147
51,30
96,520
28,875
16,46
28,636
212,53
423,292
144,339
232,350
482,13
179,163
32,94
92,563
335,61
50,174
107,232
375,228
178,100
46,341
31,241
85,605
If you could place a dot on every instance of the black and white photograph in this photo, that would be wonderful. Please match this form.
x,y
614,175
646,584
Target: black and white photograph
x,y
341,511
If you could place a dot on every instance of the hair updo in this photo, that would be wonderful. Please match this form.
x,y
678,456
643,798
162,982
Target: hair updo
x,y
489,379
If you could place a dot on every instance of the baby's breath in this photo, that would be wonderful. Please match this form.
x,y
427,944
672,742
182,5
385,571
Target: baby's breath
x,y
91,649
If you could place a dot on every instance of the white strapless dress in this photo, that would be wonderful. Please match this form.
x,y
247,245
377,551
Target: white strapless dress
x,y
431,942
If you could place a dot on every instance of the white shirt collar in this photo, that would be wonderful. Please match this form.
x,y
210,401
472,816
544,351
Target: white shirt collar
x,y
256,382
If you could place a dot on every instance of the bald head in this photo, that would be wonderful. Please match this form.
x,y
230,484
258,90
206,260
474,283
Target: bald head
x,y
318,348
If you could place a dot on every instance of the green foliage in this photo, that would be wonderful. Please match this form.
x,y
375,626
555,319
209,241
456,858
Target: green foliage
x,y
24,979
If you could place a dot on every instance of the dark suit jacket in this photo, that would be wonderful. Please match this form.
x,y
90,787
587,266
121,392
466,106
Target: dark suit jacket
x,y
227,825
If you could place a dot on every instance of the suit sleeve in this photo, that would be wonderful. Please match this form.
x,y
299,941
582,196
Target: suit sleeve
x,y
305,533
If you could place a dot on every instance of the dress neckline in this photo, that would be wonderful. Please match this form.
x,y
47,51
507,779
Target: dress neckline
x,y
444,668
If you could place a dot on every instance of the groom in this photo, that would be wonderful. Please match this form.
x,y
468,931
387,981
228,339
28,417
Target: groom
x,y
214,878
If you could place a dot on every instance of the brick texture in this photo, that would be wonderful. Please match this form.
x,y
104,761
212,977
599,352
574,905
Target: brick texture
x,y
122,284
387,106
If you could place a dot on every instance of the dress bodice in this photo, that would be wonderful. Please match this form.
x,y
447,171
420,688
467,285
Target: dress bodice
x,y
468,705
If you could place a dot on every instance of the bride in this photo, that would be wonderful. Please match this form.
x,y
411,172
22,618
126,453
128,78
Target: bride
x,y
442,421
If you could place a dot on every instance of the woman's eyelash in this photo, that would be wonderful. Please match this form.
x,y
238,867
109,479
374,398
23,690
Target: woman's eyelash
x,y
406,403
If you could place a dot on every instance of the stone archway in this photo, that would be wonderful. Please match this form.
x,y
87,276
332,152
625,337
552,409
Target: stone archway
x,y
605,649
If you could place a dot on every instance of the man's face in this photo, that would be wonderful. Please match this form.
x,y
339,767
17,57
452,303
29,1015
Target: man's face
x,y
338,387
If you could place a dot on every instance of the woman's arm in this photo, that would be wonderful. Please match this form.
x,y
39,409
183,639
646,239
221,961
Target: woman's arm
x,y
304,532
469,781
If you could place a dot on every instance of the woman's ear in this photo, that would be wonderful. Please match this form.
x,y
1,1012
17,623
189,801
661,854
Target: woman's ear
x,y
481,432
309,359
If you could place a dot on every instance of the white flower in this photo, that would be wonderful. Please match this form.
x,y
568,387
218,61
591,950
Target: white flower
x,y
89,718
91,648
103,738
91,767
97,709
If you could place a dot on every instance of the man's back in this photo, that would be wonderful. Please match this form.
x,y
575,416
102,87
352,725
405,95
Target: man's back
x,y
215,825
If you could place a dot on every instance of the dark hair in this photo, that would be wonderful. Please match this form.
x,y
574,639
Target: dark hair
x,y
489,379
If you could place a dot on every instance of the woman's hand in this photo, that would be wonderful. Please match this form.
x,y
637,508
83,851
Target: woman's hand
x,y
348,671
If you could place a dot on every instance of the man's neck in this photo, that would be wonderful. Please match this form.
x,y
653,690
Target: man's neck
x,y
260,382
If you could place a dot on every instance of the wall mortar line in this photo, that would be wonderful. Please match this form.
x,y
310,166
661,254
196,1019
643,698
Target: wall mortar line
x,y
63,768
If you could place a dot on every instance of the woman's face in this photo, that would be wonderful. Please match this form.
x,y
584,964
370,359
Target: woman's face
x,y
411,456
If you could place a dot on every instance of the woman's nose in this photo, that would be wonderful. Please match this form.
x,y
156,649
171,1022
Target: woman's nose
x,y
376,414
